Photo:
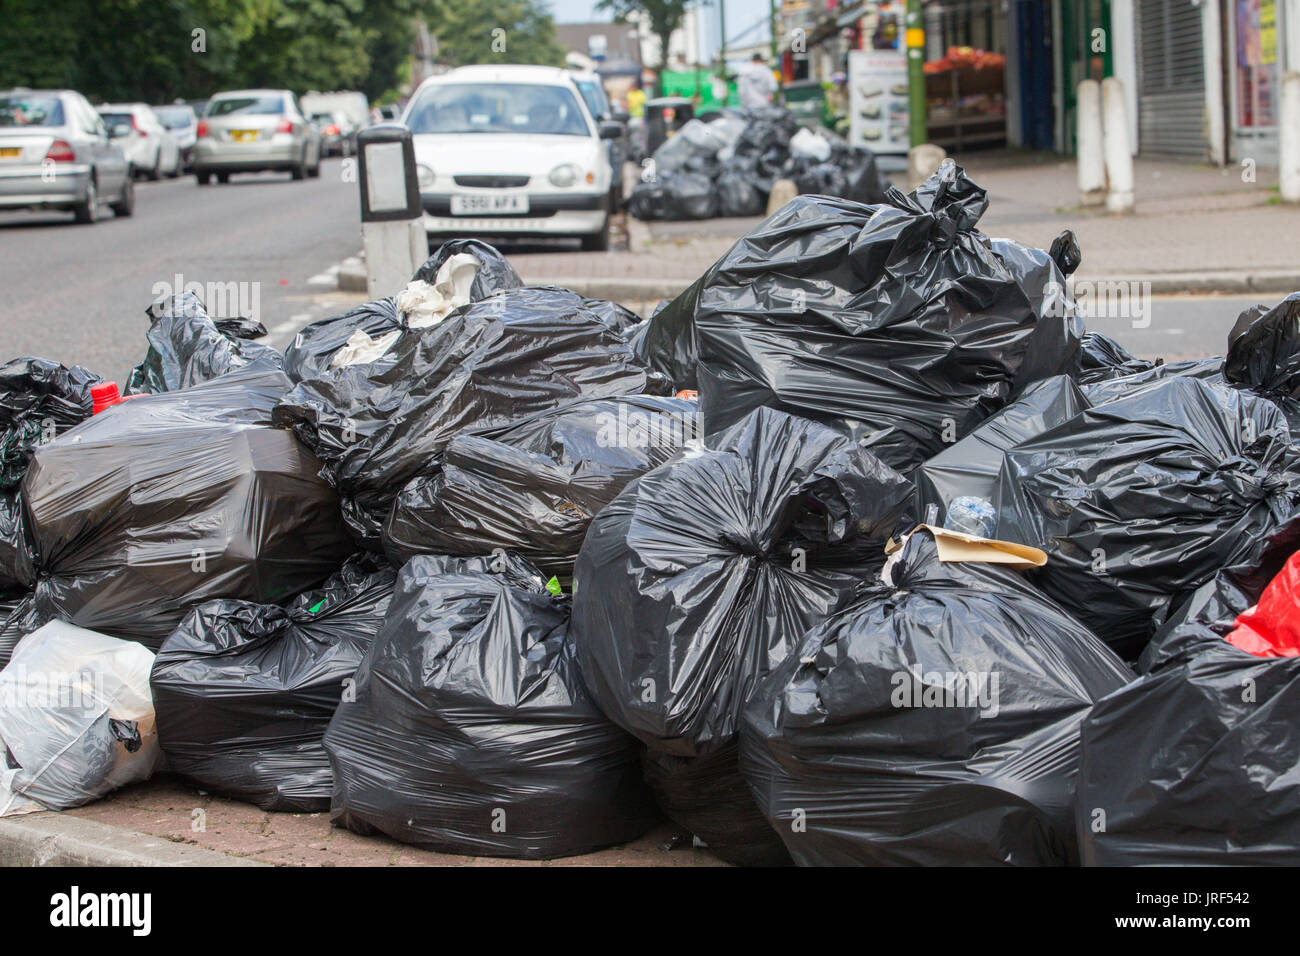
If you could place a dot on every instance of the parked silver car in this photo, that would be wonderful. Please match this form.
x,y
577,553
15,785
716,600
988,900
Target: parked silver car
x,y
55,153
183,126
138,130
248,131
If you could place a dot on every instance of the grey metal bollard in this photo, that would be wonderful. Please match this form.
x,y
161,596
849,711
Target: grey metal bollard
x,y
1119,157
922,163
392,229
1092,156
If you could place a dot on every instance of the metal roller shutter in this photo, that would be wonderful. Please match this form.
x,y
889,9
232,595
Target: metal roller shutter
x,y
1171,79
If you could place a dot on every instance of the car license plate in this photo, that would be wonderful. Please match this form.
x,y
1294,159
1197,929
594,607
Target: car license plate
x,y
10,152
490,205
243,135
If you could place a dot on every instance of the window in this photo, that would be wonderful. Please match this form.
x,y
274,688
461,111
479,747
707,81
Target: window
x,y
270,105
175,117
497,108
30,109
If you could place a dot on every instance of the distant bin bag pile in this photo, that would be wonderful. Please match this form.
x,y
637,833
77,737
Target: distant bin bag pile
x,y
471,731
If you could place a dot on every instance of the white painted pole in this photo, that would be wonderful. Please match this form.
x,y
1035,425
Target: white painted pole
x,y
1119,156
1092,157
1288,158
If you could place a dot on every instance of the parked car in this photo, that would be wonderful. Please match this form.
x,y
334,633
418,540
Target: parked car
x,y
55,153
182,123
142,136
338,137
511,150
346,104
597,100
247,131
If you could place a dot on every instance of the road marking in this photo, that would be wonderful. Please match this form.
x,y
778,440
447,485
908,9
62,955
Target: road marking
x,y
291,324
329,277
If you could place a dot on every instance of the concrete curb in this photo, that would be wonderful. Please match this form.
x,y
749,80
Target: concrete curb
x,y
352,278
56,839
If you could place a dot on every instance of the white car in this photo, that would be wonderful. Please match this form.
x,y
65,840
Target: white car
x,y
149,148
511,150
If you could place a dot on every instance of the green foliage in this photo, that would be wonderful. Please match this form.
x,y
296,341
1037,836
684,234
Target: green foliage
x,y
664,17
158,50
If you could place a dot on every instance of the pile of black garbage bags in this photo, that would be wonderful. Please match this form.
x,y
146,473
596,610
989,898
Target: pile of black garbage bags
x,y
726,166
862,550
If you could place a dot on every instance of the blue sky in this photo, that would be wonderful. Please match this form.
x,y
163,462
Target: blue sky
x,y
741,14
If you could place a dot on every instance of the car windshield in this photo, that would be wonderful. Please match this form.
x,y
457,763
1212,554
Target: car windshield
x,y
594,97
247,106
497,108
30,109
174,117
112,119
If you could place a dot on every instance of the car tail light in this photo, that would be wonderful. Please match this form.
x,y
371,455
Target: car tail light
x,y
286,126
203,129
60,151
331,130
136,126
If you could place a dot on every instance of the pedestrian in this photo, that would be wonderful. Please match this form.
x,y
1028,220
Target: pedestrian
x,y
756,84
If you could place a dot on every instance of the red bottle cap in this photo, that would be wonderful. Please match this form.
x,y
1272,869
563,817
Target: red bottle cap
x,y
104,395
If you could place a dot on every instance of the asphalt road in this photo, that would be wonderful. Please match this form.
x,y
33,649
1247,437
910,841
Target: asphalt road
x,y
77,294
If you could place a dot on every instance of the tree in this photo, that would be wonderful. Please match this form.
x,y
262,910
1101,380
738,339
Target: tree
x,y
504,31
664,16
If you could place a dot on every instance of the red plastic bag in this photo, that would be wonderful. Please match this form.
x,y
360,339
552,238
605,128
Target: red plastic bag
x,y
1272,627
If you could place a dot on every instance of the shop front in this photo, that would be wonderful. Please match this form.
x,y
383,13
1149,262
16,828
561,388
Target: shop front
x,y
1256,32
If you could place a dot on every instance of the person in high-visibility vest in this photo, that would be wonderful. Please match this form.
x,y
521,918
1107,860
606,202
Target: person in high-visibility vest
x,y
636,101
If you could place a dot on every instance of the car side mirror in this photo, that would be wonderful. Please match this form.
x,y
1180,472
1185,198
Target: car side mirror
x,y
611,130
621,116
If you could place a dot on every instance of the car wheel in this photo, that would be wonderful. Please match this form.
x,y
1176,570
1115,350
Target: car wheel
x,y
223,178
176,168
598,242
299,170
203,178
125,206
86,210
155,174
314,172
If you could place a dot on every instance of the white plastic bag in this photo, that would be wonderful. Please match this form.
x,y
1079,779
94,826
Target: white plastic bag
x,y
76,718
806,143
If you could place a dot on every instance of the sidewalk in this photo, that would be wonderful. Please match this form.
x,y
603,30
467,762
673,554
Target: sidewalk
x,y
166,822
1196,229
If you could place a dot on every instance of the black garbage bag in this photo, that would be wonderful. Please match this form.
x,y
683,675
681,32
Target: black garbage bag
x,y
704,573
692,149
973,468
1054,347
15,552
243,691
186,347
737,193
896,323
675,196
818,178
533,487
165,501
378,425
472,731
935,722
1195,763
1102,358
38,400
1264,355
1141,499
312,349
863,179
495,274
18,618
768,127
